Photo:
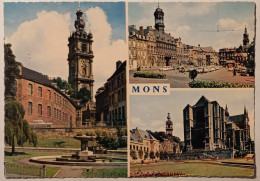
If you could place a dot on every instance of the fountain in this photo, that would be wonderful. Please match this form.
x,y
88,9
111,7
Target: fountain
x,y
82,157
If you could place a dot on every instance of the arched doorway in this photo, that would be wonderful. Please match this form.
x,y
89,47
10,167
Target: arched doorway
x,y
167,60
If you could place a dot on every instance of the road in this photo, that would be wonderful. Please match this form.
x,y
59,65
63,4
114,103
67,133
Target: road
x,y
181,80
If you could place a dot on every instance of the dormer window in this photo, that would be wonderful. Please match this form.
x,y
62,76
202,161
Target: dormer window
x,y
84,47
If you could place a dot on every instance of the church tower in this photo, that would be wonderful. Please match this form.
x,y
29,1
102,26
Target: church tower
x,y
80,56
245,38
169,128
158,16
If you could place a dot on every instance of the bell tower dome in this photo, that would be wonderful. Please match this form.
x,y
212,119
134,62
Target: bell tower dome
x,y
158,16
80,57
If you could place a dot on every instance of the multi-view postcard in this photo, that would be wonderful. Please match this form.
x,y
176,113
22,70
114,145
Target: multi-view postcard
x,y
129,89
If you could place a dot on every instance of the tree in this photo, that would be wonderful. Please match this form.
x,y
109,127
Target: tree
x,y
152,156
140,153
133,154
157,154
63,84
16,127
193,74
83,95
145,155
11,72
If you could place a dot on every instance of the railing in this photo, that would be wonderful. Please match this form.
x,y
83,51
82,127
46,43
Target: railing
x,y
13,170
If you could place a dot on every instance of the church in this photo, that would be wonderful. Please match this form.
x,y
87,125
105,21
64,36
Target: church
x,y
208,127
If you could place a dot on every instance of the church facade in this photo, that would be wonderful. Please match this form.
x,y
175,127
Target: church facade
x,y
208,126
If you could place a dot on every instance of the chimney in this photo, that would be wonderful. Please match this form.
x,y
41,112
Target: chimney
x,y
141,29
118,63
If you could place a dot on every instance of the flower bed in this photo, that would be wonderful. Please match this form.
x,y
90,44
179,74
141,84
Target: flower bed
x,y
149,75
213,84
157,174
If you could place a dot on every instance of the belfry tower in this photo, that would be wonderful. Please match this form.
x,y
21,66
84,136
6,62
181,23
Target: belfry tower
x,y
169,127
80,57
158,16
245,38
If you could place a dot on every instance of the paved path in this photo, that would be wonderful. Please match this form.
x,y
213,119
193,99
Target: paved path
x,y
181,80
70,172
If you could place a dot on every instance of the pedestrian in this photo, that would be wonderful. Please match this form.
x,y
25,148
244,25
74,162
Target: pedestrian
x,y
234,72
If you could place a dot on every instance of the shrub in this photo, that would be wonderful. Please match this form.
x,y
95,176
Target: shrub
x,y
149,75
213,84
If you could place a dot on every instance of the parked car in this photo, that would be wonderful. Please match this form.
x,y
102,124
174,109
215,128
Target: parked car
x,y
230,69
181,69
199,70
165,68
212,69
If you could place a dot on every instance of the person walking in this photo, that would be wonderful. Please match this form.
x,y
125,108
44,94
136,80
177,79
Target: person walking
x,y
234,72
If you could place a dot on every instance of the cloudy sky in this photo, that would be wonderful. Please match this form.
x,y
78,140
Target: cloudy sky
x,y
39,34
196,23
150,112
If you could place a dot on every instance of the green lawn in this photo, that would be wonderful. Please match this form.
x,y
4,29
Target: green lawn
x,y
105,173
197,169
15,167
56,143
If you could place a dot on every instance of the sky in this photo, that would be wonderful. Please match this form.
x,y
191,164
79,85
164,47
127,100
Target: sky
x,y
150,112
196,22
39,35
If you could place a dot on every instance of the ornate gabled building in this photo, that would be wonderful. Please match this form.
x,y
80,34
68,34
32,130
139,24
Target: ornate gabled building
x,y
153,48
208,126
80,57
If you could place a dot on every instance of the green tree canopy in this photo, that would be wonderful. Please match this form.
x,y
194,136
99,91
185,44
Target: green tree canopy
x,y
83,95
63,84
16,127
193,74
11,72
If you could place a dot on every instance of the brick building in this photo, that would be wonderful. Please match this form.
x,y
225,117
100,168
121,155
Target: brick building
x,y
44,102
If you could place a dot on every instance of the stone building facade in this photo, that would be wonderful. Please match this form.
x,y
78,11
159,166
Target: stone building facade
x,y
235,56
80,57
44,102
143,140
208,126
111,98
153,48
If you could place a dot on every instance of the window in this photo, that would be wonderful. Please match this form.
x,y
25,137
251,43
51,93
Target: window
x,y
55,113
30,89
55,98
29,107
39,110
84,47
39,91
49,92
48,111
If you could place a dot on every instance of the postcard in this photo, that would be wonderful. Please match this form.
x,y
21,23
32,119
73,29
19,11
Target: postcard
x,y
129,89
